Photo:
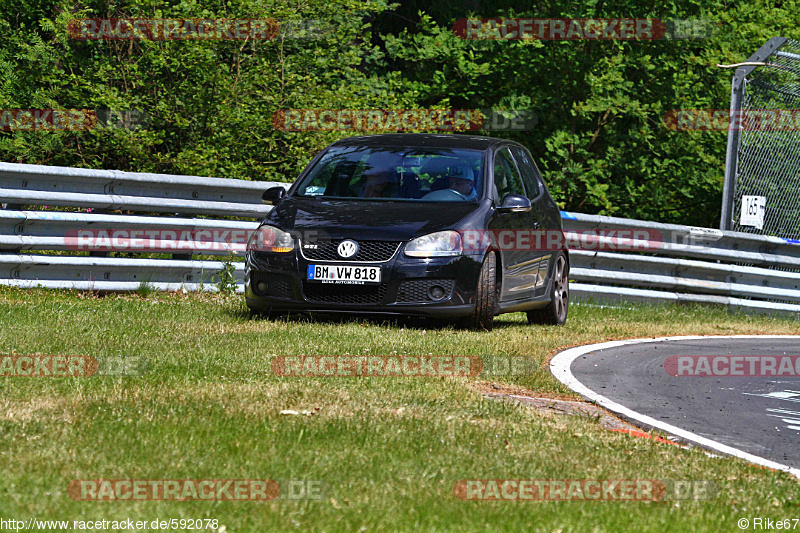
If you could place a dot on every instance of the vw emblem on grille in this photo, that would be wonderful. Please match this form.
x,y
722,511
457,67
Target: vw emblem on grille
x,y
347,248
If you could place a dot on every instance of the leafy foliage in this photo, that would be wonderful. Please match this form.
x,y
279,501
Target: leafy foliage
x,y
209,103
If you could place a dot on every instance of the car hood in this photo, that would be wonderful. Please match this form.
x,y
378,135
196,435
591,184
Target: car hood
x,y
380,220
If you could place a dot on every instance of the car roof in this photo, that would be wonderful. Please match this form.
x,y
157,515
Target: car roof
x,y
432,140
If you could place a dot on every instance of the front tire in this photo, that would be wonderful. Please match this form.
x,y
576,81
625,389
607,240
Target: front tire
x,y
482,319
555,314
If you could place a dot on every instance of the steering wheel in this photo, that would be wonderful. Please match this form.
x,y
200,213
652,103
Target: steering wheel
x,y
444,195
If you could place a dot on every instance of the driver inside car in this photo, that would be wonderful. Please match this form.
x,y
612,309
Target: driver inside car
x,y
464,183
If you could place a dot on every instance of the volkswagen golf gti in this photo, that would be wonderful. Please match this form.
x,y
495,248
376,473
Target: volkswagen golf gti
x,y
449,226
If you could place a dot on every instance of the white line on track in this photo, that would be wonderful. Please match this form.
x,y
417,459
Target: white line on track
x,y
561,364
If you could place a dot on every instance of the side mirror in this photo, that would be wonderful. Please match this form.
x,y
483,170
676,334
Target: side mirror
x,y
515,203
273,195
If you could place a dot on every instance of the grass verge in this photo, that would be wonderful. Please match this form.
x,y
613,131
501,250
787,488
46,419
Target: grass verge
x,y
387,450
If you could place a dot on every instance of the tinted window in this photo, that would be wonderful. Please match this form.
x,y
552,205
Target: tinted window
x,y
529,174
506,176
426,174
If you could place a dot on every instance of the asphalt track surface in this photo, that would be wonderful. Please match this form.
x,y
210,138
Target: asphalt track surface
x,y
755,417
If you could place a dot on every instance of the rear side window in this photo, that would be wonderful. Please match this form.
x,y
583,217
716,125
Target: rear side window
x,y
529,174
507,179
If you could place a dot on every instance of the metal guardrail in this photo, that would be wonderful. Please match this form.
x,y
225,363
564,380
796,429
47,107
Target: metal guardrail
x,y
612,259
129,191
675,263
110,273
98,232
57,230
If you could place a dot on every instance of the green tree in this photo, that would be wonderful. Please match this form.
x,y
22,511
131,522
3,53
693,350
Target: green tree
x,y
601,138
210,103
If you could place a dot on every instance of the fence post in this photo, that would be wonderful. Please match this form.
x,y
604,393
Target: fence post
x,y
735,120
732,154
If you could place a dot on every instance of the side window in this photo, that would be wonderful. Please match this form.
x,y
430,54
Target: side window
x,y
529,174
506,176
341,176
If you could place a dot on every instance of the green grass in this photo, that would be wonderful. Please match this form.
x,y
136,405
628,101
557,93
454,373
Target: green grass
x,y
389,450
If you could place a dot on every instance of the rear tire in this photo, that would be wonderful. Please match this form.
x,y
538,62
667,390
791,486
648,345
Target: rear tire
x,y
555,314
482,319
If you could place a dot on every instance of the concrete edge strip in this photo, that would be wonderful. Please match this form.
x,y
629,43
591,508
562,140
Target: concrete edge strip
x,y
560,367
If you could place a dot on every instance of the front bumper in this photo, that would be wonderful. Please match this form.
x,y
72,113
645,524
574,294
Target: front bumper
x,y
405,288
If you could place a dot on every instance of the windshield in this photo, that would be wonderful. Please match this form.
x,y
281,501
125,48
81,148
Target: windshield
x,y
415,174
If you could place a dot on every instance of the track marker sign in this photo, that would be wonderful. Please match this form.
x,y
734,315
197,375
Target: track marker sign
x,y
753,208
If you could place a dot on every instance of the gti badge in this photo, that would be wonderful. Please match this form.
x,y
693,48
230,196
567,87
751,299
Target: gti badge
x,y
347,248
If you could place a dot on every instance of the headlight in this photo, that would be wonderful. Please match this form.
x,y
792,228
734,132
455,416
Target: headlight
x,y
439,244
270,239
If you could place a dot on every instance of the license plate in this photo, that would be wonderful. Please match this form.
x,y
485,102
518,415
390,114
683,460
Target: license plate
x,y
347,274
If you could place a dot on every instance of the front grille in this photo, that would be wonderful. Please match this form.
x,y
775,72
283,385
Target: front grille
x,y
334,293
416,290
278,286
368,251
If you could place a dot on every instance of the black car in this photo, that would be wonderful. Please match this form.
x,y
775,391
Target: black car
x,y
436,225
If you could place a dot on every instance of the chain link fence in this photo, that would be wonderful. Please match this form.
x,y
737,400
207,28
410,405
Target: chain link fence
x,y
762,175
